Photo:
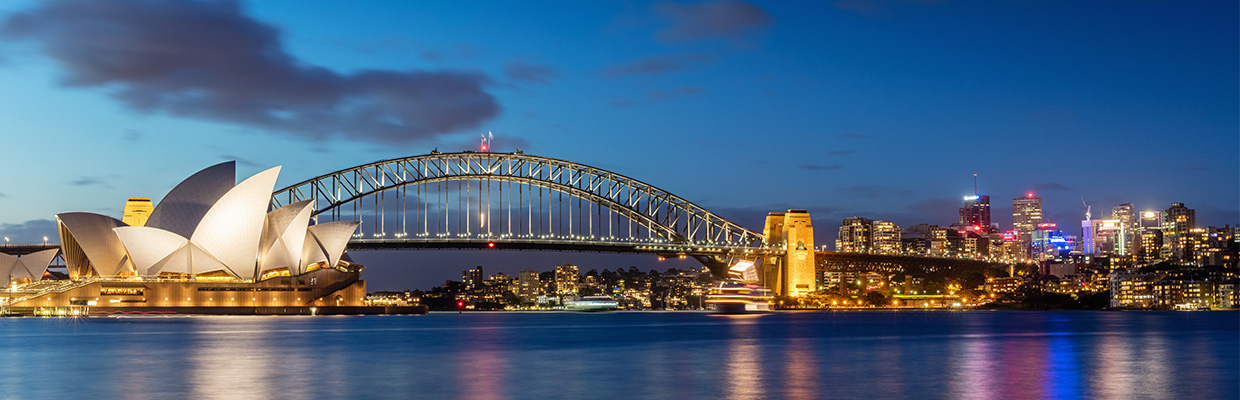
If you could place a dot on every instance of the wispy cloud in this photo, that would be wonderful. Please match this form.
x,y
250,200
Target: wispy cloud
x,y
525,72
712,19
656,65
1050,187
815,167
680,91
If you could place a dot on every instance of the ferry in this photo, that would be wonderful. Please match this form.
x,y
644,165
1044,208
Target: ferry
x,y
591,303
740,298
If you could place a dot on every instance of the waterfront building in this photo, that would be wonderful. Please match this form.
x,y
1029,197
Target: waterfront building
x,y
137,211
566,278
1130,289
528,285
1026,216
209,243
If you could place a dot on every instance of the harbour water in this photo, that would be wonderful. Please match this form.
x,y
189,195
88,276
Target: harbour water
x,y
672,355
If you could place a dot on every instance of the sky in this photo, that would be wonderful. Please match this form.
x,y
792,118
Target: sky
x,y
879,109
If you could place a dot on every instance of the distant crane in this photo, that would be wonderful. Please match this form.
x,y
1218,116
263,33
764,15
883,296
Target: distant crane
x,y
1087,209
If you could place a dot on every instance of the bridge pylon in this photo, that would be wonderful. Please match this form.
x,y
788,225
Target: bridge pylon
x,y
791,272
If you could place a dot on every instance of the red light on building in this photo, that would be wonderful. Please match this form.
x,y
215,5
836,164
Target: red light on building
x,y
1029,195
460,304
977,227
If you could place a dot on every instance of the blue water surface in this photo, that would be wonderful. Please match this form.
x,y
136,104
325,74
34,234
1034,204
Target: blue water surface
x,y
648,355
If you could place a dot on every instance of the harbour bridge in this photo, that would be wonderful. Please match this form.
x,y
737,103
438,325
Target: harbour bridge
x,y
483,200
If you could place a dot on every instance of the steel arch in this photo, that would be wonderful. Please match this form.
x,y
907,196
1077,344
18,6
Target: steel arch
x,y
671,216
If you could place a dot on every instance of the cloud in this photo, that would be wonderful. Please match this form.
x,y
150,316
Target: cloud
x,y
209,61
461,51
680,91
29,232
1050,187
132,135
87,181
239,160
656,65
2,195
876,191
711,20
815,167
525,72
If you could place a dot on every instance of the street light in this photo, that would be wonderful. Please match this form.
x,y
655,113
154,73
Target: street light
x,y
6,241
45,240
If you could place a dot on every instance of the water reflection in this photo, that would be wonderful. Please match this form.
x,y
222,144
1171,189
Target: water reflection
x,y
482,365
973,368
233,358
743,372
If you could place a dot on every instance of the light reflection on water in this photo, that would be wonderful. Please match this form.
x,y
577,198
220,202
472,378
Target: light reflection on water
x,y
917,355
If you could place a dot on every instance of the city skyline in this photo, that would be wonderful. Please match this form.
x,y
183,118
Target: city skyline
x,y
844,109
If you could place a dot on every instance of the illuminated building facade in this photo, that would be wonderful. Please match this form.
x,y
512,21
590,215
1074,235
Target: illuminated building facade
x,y
886,236
137,211
792,274
1126,235
566,278
472,277
1177,225
976,212
855,236
1026,216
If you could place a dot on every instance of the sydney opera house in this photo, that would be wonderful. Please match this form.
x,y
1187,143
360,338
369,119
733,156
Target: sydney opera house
x,y
209,247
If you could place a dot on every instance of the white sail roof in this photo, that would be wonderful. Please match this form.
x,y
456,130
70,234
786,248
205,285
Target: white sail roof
x,y
7,264
183,208
332,237
189,259
93,235
36,263
284,236
147,246
231,230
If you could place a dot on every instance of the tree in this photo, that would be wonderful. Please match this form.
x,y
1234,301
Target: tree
x,y
589,291
876,299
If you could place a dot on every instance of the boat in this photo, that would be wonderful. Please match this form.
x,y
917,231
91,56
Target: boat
x,y
591,303
739,298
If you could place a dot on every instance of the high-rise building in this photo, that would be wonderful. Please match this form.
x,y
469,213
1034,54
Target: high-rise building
x,y
137,211
472,277
855,236
566,278
1026,216
793,273
1126,242
886,237
976,212
528,285
1177,226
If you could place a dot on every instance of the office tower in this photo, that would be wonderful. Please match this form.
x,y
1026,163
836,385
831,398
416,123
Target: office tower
x,y
976,212
566,278
1026,216
1126,239
885,236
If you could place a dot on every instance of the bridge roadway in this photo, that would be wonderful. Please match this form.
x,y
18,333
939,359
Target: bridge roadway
x,y
24,249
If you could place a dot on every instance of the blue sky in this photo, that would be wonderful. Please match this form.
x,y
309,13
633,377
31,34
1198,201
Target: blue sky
x,y
882,109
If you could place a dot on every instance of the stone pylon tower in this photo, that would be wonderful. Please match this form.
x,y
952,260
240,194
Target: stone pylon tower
x,y
792,273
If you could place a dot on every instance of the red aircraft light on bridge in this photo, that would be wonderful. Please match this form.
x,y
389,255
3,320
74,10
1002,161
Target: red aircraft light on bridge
x,y
490,245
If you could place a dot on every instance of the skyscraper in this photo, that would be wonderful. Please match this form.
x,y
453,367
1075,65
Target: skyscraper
x,y
855,236
1177,225
1126,241
472,277
1026,216
976,212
